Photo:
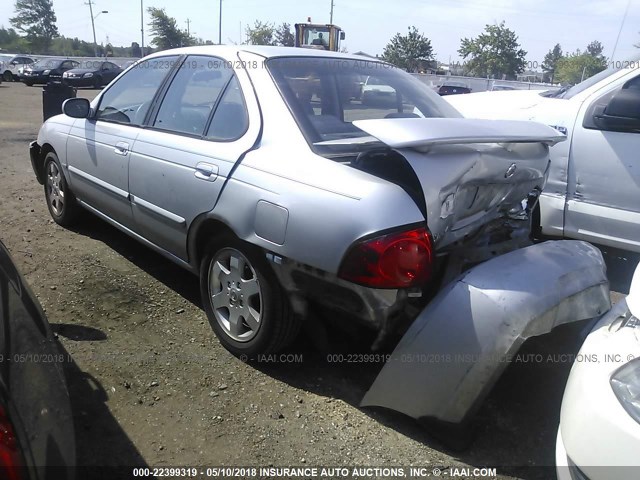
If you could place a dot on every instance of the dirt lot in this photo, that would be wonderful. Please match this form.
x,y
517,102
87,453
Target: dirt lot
x,y
151,385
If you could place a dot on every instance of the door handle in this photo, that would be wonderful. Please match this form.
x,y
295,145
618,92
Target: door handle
x,y
206,171
121,148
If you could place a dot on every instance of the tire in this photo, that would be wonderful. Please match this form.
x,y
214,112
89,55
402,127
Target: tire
x,y
61,202
97,82
244,301
7,76
29,84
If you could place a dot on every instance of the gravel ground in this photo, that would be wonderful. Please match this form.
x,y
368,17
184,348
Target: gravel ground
x,y
151,386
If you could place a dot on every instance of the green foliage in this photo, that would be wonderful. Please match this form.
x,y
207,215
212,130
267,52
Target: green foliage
x,y
579,66
495,53
165,31
11,41
37,20
283,35
550,62
411,52
261,33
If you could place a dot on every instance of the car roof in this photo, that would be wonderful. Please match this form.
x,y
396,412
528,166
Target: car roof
x,y
262,50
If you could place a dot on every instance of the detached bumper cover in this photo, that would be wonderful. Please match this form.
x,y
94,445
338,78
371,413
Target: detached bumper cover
x,y
460,344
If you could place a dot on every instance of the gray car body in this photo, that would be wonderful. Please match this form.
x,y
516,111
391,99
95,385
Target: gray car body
x,y
271,189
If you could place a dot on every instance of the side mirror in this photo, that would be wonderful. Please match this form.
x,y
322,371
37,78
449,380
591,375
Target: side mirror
x,y
622,112
76,107
343,35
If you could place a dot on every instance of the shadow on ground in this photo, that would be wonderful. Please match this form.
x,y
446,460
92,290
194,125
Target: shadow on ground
x,y
103,449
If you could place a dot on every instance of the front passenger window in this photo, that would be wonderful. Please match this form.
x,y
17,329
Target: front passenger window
x,y
128,100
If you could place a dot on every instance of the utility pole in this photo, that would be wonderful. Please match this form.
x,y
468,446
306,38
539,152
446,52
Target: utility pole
x,y
331,15
188,22
142,28
93,26
220,26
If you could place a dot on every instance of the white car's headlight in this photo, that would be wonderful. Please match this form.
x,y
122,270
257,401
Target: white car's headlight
x,y
88,75
65,74
626,385
46,72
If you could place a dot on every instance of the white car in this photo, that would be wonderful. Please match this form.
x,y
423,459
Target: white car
x,y
594,181
599,434
13,67
376,90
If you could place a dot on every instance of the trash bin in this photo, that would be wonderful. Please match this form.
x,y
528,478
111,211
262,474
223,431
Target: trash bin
x,y
53,95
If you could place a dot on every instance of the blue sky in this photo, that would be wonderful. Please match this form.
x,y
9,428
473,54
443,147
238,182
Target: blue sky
x,y
370,24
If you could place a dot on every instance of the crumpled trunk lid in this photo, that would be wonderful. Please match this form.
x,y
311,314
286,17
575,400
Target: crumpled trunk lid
x,y
471,171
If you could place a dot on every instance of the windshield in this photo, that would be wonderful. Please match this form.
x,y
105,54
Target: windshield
x,y
568,92
326,95
46,63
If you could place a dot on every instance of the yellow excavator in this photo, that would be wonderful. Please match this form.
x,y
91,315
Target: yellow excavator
x,y
319,35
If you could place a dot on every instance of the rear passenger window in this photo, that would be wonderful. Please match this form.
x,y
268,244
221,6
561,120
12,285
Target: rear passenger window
x,y
192,95
230,120
129,99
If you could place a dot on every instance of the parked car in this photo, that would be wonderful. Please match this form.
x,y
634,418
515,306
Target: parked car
x,y
453,88
14,66
594,180
36,423
502,88
47,70
284,202
599,434
91,73
375,90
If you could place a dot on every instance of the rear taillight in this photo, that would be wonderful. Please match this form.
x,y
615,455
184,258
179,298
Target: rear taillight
x,y
395,260
11,462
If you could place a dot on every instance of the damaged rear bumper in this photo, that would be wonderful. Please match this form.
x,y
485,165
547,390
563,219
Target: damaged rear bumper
x,y
457,348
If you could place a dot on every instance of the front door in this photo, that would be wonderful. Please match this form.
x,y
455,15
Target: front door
x,y
98,149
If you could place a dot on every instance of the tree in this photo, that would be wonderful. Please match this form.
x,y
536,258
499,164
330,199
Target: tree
x,y
550,62
495,53
166,32
283,35
595,49
579,66
261,33
411,52
37,20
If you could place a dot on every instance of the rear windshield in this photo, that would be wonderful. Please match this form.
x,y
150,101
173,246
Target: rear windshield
x,y
326,95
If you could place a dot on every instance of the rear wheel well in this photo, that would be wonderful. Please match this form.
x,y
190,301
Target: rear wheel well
x,y
204,232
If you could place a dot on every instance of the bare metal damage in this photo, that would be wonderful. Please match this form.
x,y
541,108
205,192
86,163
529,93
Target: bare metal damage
x,y
459,345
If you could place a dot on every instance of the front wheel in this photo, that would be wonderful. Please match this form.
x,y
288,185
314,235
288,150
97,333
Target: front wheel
x,y
244,301
7,76
97,82
60,200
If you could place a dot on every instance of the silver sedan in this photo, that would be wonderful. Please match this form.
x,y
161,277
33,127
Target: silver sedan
x,y
260,170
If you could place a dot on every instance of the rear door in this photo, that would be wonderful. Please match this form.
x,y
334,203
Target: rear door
x,y
98,148
603,198
207,120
